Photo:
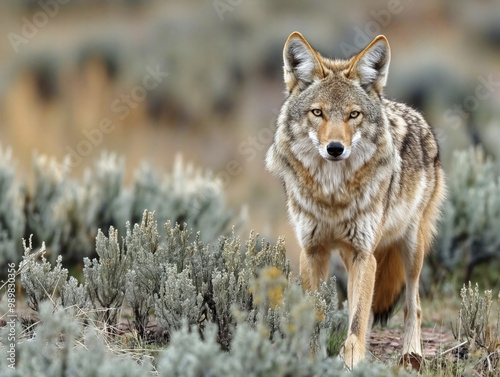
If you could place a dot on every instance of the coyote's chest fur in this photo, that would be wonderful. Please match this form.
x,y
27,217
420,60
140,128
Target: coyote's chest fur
x,y
328,201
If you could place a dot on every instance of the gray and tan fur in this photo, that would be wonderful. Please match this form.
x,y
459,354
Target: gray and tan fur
x,y
362,176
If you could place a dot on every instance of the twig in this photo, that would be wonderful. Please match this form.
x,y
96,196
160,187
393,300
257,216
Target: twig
x,y
452,348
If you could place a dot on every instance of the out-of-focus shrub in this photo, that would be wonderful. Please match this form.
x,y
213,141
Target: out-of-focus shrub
x,y
12,220
66,212
468,234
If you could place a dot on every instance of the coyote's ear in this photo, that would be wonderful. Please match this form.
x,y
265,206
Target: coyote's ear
x,y
370,66
302,63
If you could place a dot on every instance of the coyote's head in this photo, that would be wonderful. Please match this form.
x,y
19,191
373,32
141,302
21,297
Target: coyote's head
x,y
334,103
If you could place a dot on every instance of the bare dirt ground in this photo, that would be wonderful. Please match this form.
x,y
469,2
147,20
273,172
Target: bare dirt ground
x,y
386,344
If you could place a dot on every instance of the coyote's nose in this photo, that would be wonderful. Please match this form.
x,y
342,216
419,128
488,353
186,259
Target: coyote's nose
x,y
335,149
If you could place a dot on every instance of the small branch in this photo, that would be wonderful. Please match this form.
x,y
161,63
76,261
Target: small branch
x,y
452,348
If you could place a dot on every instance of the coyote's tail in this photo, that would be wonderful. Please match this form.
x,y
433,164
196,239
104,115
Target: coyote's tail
x,y
389,283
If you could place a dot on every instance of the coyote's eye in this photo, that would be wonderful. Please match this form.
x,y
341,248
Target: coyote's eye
x,y
354,114
317,112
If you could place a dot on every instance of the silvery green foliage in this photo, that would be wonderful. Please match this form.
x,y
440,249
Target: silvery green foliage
x,y
105,277
12,219
186,195
474,320
327,302
233,284
74,294
39,279
44,207
253,353
284,309
61,347
226,293
253,318
98,201
44,282
156,263
60,210
241,266
334,321
178,299
296,319
172,274
191,280
469,230
215,280
144,277
76,221
110,197
65,212
205,359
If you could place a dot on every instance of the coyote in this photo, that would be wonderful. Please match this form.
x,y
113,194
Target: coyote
x,y
362,176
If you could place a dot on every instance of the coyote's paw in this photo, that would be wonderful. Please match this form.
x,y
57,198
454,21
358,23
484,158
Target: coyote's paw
x,y
413,360
354,351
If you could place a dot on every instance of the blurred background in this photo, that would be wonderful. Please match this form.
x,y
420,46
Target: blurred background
x,y
152,79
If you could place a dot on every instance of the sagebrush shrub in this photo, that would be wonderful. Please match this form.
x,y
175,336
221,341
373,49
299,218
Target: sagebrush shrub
x,y
185,195
39,279
474,321
468,234
143,279
62,346
478,337
12,220
105,276
220,296
66,343
65,212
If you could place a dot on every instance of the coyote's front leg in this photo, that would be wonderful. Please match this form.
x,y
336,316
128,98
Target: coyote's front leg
x,y
361,269
314,267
